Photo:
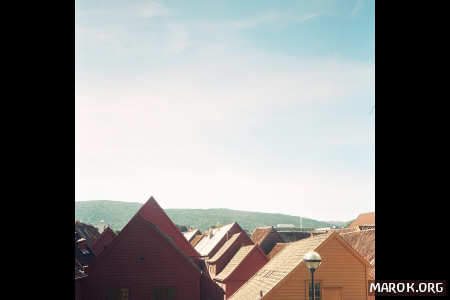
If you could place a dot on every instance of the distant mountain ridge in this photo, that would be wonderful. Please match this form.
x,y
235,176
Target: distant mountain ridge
x,y
118,213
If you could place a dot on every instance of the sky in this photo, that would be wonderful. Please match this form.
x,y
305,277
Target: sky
x,y
249,105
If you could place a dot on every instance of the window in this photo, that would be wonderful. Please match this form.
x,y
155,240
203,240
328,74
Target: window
x,y
163,293
317,290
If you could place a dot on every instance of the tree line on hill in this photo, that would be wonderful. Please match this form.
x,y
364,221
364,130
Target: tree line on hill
x,y
117,214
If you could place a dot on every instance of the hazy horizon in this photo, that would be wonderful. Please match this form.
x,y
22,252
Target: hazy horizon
x,y
229,208
256,106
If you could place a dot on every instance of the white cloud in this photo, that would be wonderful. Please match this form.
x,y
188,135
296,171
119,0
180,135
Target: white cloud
x,y
158,130
272,18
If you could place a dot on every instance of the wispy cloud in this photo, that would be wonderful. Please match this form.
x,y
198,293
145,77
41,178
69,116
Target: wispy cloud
x,y
194,109
271,18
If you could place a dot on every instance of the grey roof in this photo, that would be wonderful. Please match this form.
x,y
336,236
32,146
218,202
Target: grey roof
x,y
189,235
207,244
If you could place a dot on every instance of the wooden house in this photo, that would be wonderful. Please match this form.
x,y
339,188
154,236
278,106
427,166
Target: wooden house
x,y
103,241
216,263
343,273
143,262
152,212
215,238
244,264
364,219
266,238
364,242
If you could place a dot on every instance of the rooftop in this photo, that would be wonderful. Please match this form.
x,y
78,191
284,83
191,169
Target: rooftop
x,y
278,267
260,233
225,247
277,248
234,262
189,235
364,219
210,241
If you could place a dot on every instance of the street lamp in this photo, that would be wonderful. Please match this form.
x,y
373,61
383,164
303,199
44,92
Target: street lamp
x,y
312,261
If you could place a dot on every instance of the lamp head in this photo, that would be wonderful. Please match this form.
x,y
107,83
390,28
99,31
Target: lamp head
x,y
312,260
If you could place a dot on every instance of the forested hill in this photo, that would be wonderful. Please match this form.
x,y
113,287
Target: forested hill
x,y
117,214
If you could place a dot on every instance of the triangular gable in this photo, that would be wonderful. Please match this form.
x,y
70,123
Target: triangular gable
x,y
346,246
152,212
209,244
263,279
230,245
125,231
103,241
331,236
236,262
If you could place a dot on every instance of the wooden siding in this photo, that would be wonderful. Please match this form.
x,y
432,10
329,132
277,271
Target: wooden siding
x,y
142,258
339,268
254,261
216,267
103,241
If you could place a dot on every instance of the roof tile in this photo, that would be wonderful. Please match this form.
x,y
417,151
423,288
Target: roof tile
x,y
234,262
278,267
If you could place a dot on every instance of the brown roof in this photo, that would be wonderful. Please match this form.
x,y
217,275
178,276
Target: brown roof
x,y
278,267
225,247
273,272
234,262
364,242
345,230
364,219
260,233
278,247
196,239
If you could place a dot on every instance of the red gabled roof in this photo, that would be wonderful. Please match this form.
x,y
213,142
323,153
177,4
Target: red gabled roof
x,y
136,219
364,219
231,245
103,241
260,233
364,242
237,260
152,212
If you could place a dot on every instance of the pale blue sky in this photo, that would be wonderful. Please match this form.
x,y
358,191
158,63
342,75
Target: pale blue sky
x,y
252,105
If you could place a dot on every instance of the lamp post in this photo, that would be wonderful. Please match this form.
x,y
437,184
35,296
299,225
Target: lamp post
x,y
312,261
